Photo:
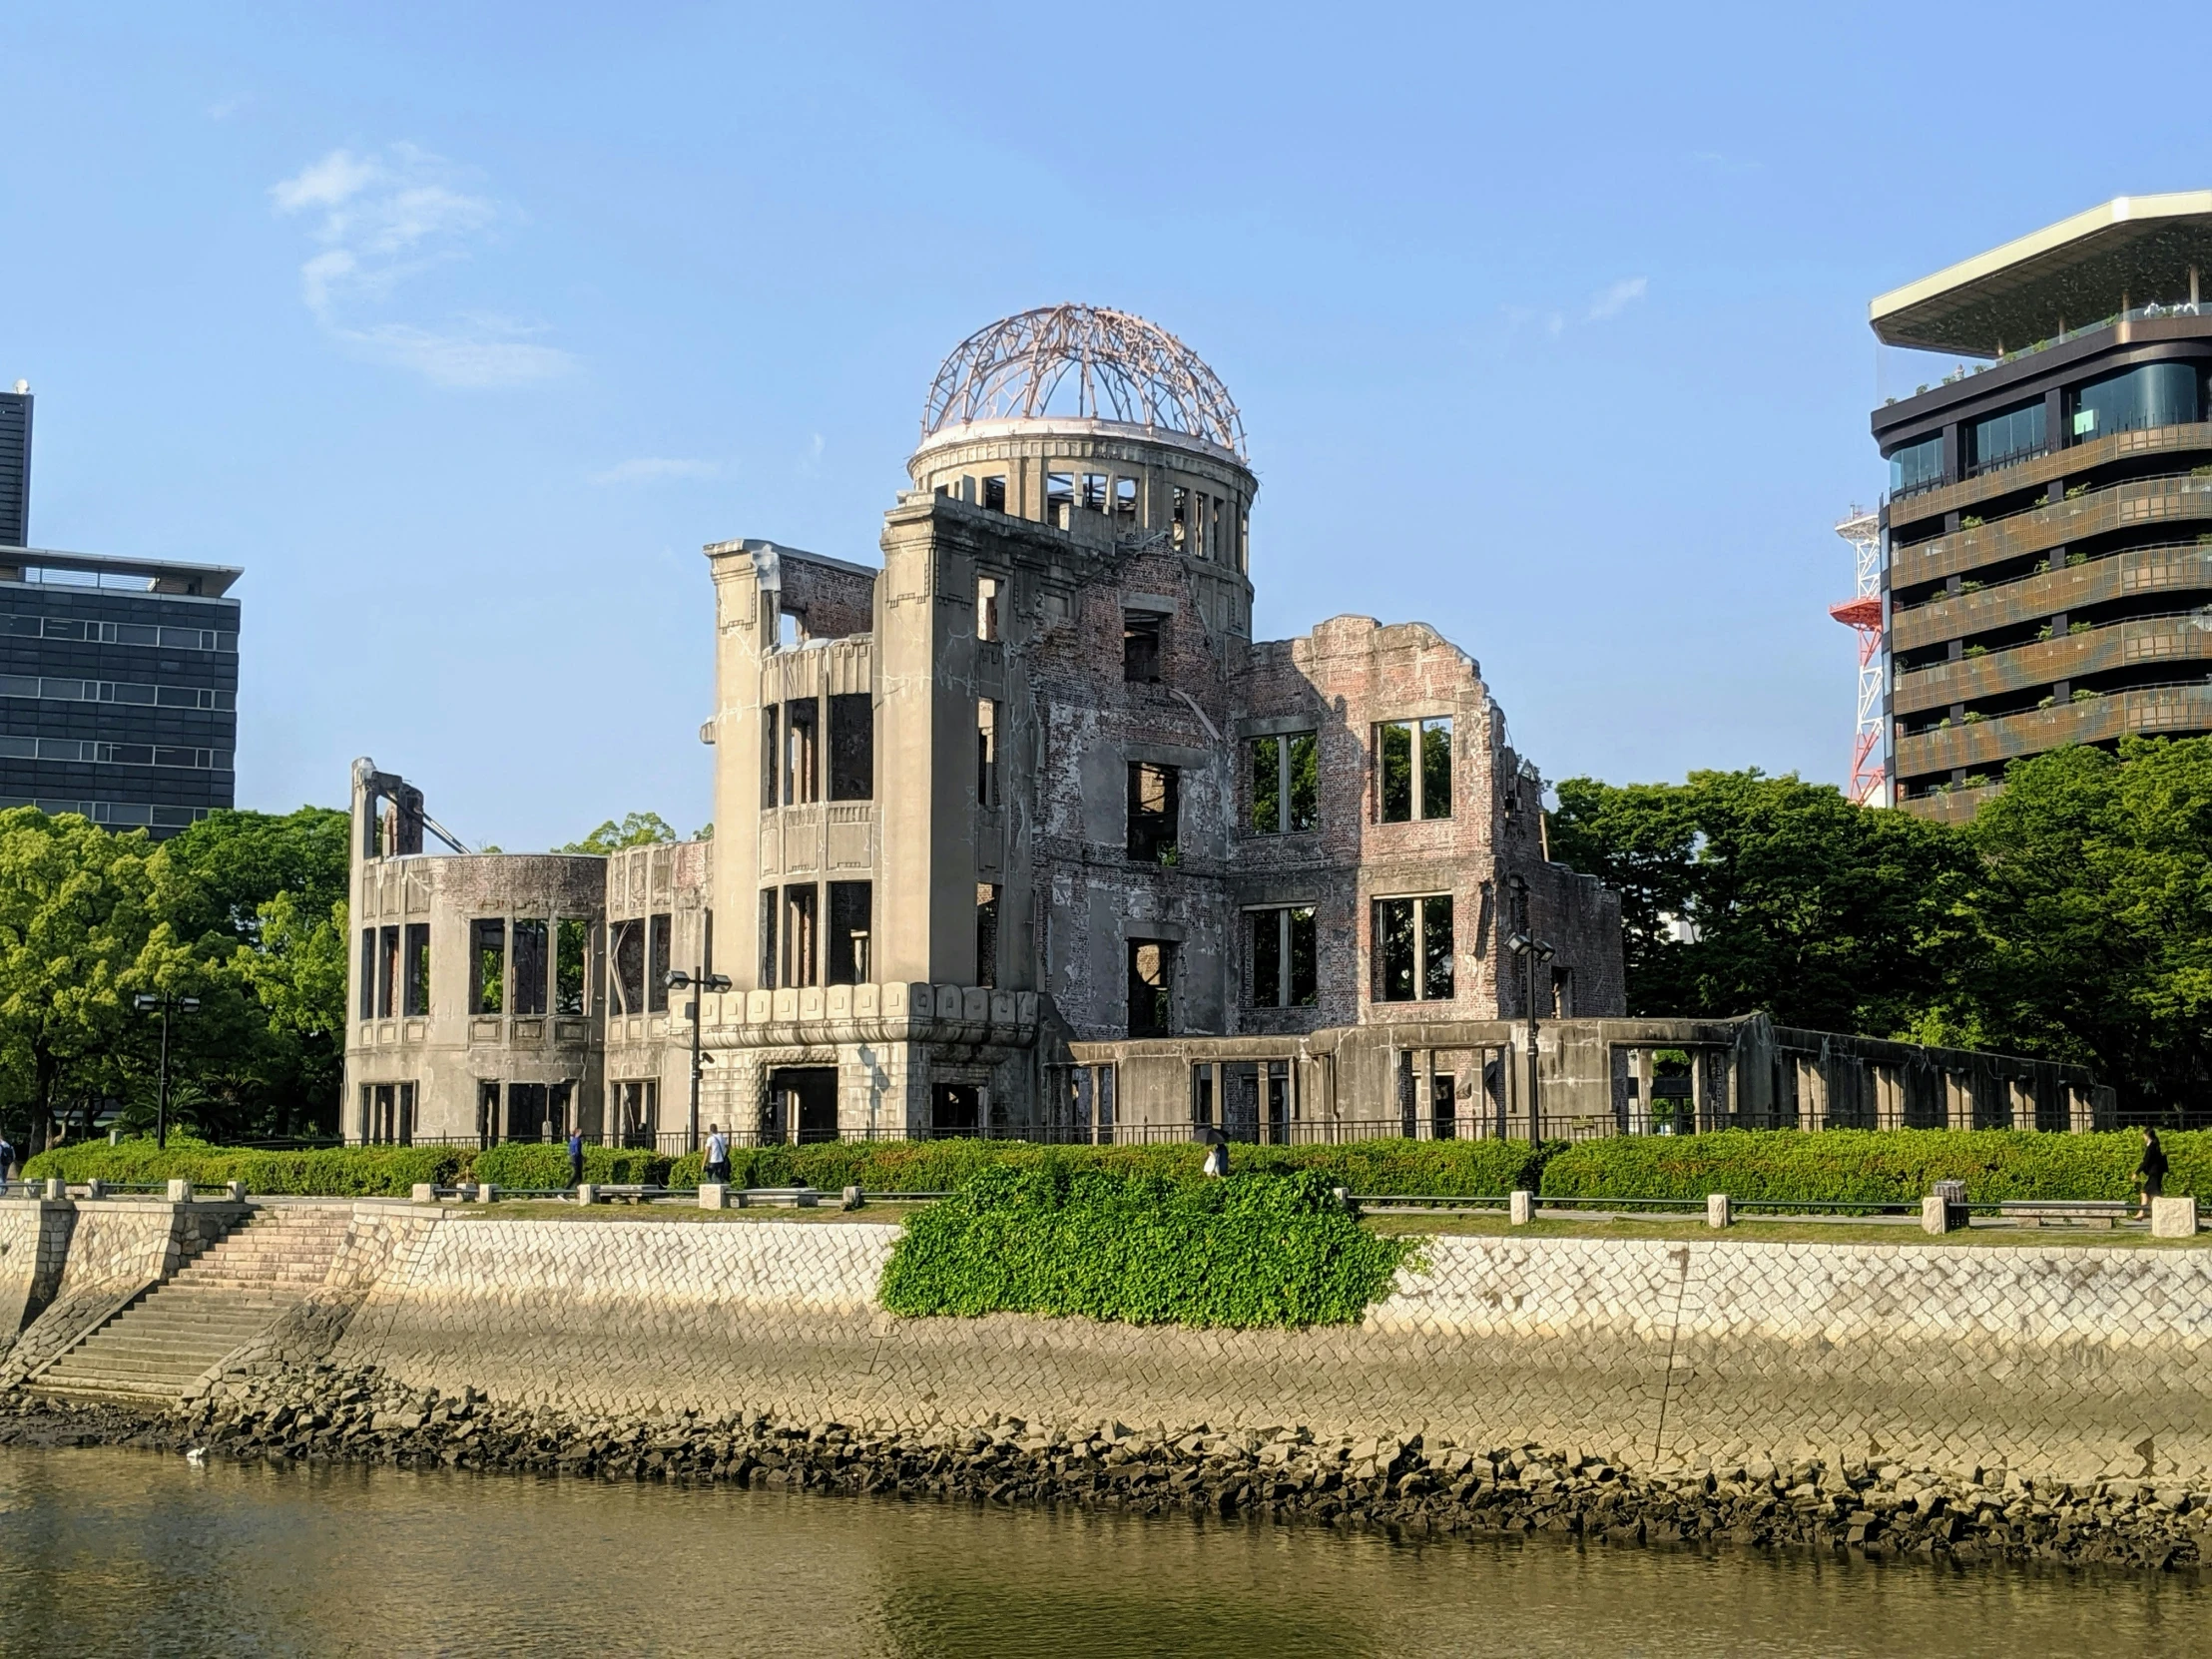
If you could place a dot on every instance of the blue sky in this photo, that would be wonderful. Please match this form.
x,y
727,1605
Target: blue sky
x,y
462,328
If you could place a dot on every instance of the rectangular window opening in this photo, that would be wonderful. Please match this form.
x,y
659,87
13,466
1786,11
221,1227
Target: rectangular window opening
x,y
799,959
1154,814
1140,648
802,766
367,977
1094,492
416,999
1125,501
530,940
1151,988
987,934
626,947
1414,949
770,765
658,935
852,747
1282,957
388,971
770,960
986,753
487,975
571,948
986,608
1059,498
1178,516
995,492
849,922
1412,762
1435,767
1286,783
1266,786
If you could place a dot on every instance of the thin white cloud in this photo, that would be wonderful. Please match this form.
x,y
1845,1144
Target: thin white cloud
x,y
381,219
1616,297
1534,317
647,469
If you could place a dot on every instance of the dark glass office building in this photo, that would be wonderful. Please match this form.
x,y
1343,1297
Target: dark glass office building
x,y
2050,513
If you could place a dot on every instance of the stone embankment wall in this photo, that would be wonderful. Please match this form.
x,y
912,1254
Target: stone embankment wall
x,y
66,1268
2078,1362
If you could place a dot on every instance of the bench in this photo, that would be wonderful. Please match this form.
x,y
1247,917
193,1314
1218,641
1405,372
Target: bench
x,y
2066,1212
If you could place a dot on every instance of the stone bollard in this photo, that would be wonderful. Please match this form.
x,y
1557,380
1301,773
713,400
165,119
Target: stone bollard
x,y
180,1192
1717,1211
423,1192
1524,1207
852,1198
236,1190
96,1189
486,1192
713,1195
57,1188
1934,1214
2173,1218
587,1193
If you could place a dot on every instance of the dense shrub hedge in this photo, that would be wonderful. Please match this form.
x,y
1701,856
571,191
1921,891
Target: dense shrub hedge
x,y
1466,1168
1873,1166
540,1165
337,1171
1066,1236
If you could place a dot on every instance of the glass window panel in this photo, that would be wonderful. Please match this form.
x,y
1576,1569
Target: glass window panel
x,y
2010,436
1305,781
2156,395
1917,466
1267,785
1435,768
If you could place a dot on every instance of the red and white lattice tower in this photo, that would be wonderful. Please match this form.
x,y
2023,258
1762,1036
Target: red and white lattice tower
x,y
1861,613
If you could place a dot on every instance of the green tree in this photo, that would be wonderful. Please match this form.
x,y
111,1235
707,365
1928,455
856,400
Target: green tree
x,y
1793,901
2094,905
635,830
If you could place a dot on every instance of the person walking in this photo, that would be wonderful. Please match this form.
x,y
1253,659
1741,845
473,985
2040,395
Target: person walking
x,y
576,1157
718,1154
2151,1171
7,1162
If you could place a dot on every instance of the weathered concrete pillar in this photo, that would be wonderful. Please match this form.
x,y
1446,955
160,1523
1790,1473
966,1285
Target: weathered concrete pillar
x,y
587,1193
236,1191
96,1189
2173,1218
180,1192
1717,1210
422,1192
486,1192
58,1189
713,1195
1934,1214
1524,1207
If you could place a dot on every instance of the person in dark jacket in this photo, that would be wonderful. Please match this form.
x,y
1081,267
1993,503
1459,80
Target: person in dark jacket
x,y
2151,1172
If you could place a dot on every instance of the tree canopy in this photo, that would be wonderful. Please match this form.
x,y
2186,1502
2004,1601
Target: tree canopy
x,y
2072,919
635,830
245,912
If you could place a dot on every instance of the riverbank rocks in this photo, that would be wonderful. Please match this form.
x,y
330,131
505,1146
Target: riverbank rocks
x,y
1407,1485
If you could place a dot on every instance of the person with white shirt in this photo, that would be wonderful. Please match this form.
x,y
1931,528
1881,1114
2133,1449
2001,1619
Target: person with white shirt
x,y
718,1154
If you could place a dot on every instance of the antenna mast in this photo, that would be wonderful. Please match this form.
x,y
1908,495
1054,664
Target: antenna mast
x,y
1862,614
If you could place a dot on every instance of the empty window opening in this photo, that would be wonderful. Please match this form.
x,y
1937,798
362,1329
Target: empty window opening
x,y
366,980
771,765
526,1120
1214,505
1151,989
987,934
1286,783
1140,648
706,942
986,753
956,1109
770,904
790,631
1154,812
852,747
802,761
799,936
1125,501
626,947
530,964
801,1104
850,920
416,997
995,492
571,948
1412,765
1243,541
487,1114
1178,516
387,970
986,607
1412,949
1060,497
637,1112
387,1113
658,936
1284,973
1094,492
487,974
1202,1096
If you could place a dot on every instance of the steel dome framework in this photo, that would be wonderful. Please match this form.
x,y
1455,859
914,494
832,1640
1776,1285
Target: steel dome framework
x,y
1120,367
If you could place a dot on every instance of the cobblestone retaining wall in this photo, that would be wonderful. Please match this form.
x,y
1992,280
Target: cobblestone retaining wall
x,y
87,1262
2076,1362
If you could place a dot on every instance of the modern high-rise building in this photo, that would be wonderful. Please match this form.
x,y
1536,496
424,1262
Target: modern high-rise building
x,y
118,677
2049,518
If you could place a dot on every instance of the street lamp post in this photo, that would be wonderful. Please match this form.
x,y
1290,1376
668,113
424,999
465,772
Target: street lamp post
x,y
1532,952
167,1002
698,980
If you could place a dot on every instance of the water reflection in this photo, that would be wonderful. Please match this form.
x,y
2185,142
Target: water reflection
x,y
112,1551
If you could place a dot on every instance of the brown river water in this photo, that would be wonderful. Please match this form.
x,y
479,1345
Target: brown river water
x,y
128,1553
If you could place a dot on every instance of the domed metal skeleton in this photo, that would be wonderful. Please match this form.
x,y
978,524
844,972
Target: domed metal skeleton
x,y
1124,368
